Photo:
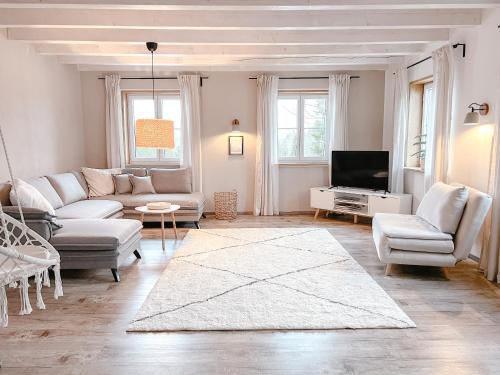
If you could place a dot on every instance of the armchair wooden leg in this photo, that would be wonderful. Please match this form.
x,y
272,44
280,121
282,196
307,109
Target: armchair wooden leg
x,y
388,268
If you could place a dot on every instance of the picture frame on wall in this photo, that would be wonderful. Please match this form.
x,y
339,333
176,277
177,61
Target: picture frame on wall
x,y
235,143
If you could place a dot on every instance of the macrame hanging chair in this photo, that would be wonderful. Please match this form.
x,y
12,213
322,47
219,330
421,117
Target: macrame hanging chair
x,y
23,254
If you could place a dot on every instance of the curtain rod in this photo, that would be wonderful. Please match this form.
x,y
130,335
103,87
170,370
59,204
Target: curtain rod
x,y
157,78
305,77
456,45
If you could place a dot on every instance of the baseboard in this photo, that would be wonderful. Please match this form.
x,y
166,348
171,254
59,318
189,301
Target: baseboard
x,y
281,213
474,258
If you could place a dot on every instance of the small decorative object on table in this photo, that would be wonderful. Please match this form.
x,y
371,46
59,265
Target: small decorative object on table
x,y
226,205
158,205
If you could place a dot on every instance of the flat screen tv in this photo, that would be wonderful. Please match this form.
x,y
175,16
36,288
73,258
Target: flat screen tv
x,y
360,169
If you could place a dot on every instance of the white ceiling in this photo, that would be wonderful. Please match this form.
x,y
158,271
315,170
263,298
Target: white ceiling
x,y
258,35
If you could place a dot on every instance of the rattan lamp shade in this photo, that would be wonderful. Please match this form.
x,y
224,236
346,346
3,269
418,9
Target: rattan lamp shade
x,y
154,133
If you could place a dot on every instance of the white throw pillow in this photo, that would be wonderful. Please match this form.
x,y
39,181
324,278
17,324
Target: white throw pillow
x,y
100,181
443,206
30,197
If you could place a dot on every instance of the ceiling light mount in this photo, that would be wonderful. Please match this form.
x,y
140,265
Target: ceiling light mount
x,y
151,46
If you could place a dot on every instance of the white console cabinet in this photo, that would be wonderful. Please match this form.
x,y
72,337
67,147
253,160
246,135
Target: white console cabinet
x,y
359,202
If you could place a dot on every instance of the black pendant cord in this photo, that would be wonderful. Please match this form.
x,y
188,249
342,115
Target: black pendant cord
x,y
153,77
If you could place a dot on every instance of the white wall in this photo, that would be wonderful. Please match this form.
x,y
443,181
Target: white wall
x,y
40,113
477,79
229,95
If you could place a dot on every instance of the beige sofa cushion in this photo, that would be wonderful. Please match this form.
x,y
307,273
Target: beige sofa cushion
x,y
89,209
95,234
141,185
166,181
47,190
100,181
139,172
193,201
67,187
122,183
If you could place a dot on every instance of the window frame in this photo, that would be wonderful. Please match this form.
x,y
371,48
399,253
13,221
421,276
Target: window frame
x,y
301,96
128,116
418,91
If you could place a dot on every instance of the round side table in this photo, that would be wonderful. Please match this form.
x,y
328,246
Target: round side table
x,y
144,210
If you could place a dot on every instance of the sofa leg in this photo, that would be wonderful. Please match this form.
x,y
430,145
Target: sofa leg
x,y
137,254
197,224
388,269
116,274
204,216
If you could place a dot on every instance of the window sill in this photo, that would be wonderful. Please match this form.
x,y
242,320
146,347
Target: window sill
x,y
414,169
303,164
152,165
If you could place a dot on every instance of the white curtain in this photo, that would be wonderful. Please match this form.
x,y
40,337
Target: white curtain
x,y
438,139
266,167
401,110
191,127
338,100
115,140
490,253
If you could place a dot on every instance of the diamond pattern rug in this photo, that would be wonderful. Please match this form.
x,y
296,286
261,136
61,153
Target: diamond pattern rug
x,y
265,278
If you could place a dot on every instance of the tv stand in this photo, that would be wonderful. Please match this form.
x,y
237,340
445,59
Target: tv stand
x,y
358,202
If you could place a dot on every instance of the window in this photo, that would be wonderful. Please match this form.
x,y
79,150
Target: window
x,y
420,122
166,106
302,128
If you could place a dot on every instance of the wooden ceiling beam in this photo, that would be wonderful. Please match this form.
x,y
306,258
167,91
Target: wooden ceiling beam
x,y
238,20
236,50
246,5
220,37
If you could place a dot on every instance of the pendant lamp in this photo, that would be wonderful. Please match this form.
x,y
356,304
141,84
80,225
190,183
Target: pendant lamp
x,y
154,133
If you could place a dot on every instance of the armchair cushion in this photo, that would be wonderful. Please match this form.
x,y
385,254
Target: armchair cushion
x,y
408,227
443,205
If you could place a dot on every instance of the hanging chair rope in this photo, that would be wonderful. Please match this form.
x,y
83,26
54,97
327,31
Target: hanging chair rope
x,y
23,254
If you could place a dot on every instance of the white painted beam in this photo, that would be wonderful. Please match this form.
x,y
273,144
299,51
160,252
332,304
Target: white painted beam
x,y
220,60
236,50
172,70
253,5
179,37
238,20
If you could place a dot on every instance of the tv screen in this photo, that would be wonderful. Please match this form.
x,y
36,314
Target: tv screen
x,y
361,169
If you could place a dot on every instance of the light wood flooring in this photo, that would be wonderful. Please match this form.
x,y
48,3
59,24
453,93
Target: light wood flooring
x,y
457,313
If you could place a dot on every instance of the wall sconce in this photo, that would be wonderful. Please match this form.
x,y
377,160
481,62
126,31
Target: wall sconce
x,y
472,118
236,125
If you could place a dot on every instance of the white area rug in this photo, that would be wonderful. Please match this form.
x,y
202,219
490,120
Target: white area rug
x,y
251,279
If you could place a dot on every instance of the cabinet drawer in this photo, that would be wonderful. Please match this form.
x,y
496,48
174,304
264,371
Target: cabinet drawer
x,y
323,199
381,204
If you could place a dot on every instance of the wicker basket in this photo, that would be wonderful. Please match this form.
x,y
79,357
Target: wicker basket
x,y
225,205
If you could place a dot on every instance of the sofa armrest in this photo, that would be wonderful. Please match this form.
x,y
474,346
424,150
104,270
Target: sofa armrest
x,y
37,220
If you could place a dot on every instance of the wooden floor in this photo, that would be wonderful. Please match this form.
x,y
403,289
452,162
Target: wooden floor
x,y
457,313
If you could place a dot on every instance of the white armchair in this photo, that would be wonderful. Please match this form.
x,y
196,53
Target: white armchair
x,y
442,232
